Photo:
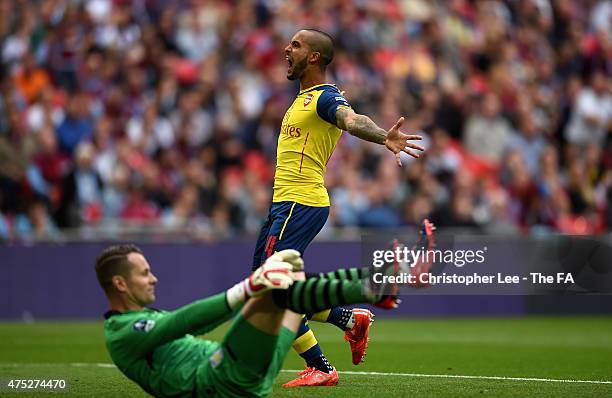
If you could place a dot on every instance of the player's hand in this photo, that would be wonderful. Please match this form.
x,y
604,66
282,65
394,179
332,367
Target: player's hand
x,y
276,273
398,142
273,274
290,256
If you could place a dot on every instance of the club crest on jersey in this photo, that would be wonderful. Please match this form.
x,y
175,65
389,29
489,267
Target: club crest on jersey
x,y
308,99
216,358
144,325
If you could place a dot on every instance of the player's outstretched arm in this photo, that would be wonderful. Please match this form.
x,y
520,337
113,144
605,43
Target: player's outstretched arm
x,y
204,315
363,127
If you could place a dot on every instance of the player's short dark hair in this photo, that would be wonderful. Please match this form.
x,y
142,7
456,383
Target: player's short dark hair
x,y
322,43
113,261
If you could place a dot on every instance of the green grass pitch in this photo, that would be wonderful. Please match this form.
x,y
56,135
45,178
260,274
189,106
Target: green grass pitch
x,y
423,355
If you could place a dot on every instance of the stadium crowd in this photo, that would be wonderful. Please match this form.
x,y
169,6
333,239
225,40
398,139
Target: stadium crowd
x,y
165,114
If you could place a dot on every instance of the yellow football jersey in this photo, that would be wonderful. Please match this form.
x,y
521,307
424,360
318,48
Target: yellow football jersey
x,y
307,140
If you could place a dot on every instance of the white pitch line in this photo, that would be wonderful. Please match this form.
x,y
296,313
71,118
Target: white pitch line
x,y
98,364
44,365
350,372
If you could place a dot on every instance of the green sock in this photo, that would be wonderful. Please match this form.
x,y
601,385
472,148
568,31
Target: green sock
x,y
346,274
317,294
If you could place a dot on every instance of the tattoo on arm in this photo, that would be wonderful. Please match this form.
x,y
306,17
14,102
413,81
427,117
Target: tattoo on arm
x,y
360,126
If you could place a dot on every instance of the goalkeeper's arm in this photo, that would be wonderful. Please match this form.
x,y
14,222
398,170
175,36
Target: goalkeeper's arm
x,y
206,314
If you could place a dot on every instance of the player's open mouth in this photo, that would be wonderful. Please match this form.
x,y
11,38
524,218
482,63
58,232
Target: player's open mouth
x,y
289,61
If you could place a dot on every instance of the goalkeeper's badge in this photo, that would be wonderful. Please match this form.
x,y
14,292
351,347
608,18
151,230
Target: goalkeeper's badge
x,y
216,358
144,325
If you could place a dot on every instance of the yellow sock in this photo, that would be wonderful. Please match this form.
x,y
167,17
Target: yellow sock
x,y
320,316
305,342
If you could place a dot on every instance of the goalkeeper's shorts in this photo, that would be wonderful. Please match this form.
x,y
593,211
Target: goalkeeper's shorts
x,y
245,364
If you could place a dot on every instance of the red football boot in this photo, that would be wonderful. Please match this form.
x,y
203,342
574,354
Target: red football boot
x,y
426,242
311,377
389,293
358,335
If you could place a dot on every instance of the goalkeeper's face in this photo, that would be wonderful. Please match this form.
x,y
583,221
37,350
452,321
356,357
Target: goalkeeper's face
x,y
140,284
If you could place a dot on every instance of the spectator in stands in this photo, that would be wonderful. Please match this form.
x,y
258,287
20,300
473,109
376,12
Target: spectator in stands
x,y
77,125
528,141
138,209
184,210
114,196
150,131
81,191
36,223
591,119
487,132
31,80
53,164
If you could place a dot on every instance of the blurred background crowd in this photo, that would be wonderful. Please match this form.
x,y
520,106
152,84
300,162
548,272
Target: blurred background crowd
x,y
163,116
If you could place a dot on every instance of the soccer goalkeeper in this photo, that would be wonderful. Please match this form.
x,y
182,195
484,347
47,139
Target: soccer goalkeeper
x,y
158,350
